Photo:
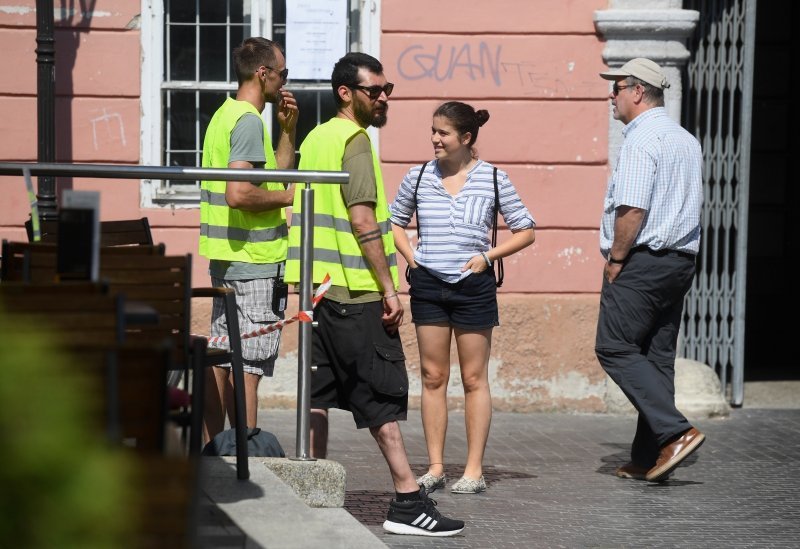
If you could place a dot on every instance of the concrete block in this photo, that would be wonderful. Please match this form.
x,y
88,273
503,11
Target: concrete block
x,y
319,483
697,392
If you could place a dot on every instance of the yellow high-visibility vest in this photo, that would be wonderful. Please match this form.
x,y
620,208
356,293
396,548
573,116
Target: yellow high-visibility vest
x,y
336,249
228,233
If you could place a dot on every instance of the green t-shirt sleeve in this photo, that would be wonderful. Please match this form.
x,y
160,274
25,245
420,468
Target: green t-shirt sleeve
x,y
358,161
247,140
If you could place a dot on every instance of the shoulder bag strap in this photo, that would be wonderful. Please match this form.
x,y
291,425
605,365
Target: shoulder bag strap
x,y
416,188
499,272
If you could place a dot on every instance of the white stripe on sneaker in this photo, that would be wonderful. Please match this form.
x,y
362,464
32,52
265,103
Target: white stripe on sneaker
x,y
425,521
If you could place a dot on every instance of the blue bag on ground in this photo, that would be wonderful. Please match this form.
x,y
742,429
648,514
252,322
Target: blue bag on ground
x,y
259,444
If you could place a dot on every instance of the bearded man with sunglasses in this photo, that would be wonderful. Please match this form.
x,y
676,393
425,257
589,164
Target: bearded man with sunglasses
x,y
356,348
243,228
650,235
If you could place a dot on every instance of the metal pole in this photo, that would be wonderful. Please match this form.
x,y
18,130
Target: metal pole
x,y
135,171
743,203
303,439
45,99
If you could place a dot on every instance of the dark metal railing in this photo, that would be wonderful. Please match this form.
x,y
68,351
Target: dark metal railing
x,y
121,171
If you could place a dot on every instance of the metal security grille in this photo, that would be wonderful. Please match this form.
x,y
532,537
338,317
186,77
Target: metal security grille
x,y
198,76
717,109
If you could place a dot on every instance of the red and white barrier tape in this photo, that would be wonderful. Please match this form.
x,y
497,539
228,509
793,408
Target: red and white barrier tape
x,y
302,316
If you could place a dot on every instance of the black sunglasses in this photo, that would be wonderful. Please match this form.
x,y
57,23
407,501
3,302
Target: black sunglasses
x,y
284,74
374,92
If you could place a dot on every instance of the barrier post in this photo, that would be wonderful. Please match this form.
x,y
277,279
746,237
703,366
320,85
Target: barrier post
x,y
303,439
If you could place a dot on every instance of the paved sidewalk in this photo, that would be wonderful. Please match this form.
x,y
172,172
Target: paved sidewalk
x,y
551,483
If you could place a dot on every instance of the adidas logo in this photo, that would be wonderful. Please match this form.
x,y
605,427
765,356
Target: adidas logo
x,y
425,521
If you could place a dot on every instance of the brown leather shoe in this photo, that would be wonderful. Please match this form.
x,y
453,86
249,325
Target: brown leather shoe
x,y
674,453
631,470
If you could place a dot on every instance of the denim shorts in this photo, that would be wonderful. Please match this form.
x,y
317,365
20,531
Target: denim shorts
x,y
469,304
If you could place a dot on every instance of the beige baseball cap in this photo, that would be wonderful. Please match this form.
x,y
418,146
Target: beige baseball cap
x,y
641,68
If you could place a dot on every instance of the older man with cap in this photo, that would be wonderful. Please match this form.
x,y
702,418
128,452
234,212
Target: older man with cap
x,y
649,235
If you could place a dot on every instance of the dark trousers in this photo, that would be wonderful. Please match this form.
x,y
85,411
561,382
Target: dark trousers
x,y
637,332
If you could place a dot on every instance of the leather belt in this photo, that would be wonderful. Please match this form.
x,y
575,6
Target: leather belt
x,y
665,252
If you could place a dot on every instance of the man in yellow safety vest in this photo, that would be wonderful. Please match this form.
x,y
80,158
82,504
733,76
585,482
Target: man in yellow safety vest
x,y
356,345
243,228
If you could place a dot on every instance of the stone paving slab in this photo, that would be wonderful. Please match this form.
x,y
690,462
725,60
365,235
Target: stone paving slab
x,y
264,512
551,482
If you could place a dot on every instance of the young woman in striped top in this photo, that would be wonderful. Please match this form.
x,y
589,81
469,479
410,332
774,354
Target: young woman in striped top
x,y
452,284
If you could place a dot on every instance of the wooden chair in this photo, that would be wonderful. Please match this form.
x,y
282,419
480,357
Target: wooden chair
x,y
74,316
131,398
126,232
166,513
134,377
78,313
38,261
146,276
164,282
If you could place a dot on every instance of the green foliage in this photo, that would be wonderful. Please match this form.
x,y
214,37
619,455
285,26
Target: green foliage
x,y
62,484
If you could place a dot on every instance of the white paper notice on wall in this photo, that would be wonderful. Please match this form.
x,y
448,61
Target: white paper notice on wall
x,y
316,37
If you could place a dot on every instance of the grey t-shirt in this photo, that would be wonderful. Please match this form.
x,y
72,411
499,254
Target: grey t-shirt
x,y
247,140
247,144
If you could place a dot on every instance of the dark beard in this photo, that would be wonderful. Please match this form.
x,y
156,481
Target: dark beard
x,y
366,118
273,98
380,119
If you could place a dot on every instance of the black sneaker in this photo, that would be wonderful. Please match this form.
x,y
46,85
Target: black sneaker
x,y
420,518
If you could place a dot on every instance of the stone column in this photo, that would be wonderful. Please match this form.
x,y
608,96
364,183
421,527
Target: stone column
x,y
655,29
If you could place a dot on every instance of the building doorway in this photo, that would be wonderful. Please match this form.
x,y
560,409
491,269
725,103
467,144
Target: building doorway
x,y
772,236
737,102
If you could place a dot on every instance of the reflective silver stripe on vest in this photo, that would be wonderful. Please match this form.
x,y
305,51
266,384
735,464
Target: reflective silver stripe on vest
x,y
214,199
244,235
333,256
326,221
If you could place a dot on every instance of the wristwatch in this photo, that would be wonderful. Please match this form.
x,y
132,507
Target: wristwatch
x,y
616,261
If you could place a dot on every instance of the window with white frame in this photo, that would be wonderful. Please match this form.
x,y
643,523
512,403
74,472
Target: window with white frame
x,y
187,73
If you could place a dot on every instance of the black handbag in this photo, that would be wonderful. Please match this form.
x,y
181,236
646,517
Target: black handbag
x,y
497,266
259,443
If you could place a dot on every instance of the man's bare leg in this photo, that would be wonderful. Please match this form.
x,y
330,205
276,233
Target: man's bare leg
x,y
390,442
251,382
319,433
214,413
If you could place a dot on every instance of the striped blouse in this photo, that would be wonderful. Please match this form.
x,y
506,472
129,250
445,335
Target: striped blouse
x,y
453,229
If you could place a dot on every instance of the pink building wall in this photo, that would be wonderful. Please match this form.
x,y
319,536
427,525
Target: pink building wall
x,y
98,112
532,64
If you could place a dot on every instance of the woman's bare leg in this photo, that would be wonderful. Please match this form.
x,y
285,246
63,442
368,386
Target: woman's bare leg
x,y
473,355
434,353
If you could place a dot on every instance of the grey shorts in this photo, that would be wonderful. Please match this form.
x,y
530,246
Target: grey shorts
x,y
254,307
